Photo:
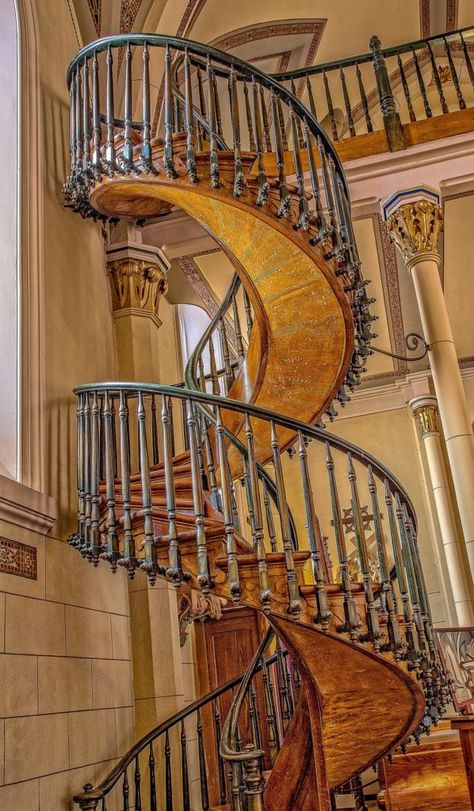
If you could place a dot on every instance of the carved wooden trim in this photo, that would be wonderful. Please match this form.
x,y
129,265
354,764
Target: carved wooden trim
x,y
18,559
197,280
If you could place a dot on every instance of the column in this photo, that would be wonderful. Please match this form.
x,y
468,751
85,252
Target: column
x,y
425,411
414,220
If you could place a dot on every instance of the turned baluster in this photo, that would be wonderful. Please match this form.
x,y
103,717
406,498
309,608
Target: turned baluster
x,y
299,128
146,164
220,763
79,119
294,604
248,116
127,151
281,121
285,196
314,538
174,571
315,188
258,540
269,518
248,313
184,770
152,775
80,472
202,764
272,727
263,185
253,715
229,529
421,85
312,103
239,180
467,58
72,122
204,579
110,466
189,120
125,792
213,367
86,118
96,131
303,208
148,565
168,156
110,115
128,554
388,105
266,125
253,782
94,482
137,781
283,694
168,777
330,106
352,623
410,574
363,555
386,591
211,468
237,329
228,371
213,156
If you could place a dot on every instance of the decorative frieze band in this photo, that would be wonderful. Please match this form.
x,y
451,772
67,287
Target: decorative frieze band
x,y
18,558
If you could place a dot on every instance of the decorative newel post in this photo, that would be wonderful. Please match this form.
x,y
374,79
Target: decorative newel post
x,y
425,411
414,220
388,105
89,800
253,781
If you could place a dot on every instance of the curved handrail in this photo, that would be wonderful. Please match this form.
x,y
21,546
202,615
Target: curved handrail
x,y
245,70
312,431
393,50
108,783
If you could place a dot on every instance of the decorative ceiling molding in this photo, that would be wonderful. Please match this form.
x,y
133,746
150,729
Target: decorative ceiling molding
x,y
198,281
95,8
452,14
425,18
128,14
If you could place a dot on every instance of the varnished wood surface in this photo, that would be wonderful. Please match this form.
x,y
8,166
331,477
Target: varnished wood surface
x,y
465,726
307,337
430,777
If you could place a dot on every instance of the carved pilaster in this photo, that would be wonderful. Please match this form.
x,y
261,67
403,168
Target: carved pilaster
x,y
138,278
193,605
415,227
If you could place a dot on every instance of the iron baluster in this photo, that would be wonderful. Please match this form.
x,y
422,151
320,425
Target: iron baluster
x,y
96,132
151,769
294,604
327,187
137,780
174,572
248,115
229,529
298,122
421,85
79,119
112,539
184,770
202,101
263,185
467,58
128,553
258,543
213,157
330,106
312,104
127,151
148,565
411,581
85,548
72,123
406,90
125,792
387,596
281,121
86,119
95,496
154,432
203,577
266,125
81,455
303,208
239,180
110,146
352,623
269,518
454,75
285,196
220,763
146,164
189,120
413,655
202,764
363,99
168,778
347,104
169,118
437,80
359,531
218,105
314,538
315,189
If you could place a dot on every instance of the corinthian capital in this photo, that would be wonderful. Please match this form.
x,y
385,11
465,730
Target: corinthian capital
x,y
137,278
414,221
425,411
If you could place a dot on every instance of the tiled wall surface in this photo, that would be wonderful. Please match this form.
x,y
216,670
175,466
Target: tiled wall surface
x,y
66,697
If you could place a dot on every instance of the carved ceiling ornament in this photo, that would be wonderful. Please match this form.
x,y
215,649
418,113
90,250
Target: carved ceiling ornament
x,y
415,227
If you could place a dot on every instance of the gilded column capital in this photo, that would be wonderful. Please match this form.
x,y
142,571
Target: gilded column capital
x,y
426,414
415,227
137,278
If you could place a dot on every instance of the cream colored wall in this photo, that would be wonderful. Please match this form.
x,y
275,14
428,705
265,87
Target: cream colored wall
x,y
458,270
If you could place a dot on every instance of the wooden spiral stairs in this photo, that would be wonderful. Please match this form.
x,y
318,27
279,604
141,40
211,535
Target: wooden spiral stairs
x,y
370,674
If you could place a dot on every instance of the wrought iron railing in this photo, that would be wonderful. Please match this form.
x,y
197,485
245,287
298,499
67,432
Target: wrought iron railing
x,y
179,765
128,518
388,87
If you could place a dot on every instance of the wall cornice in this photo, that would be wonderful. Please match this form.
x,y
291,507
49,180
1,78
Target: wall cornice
x,y
25,507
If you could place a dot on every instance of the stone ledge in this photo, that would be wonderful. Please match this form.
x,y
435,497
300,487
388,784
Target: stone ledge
x,y
25,507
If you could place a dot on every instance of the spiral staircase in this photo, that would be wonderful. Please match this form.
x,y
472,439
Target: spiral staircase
x,y
159,467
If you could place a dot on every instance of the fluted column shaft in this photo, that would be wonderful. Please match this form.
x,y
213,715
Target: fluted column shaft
x,y
425,411
415,227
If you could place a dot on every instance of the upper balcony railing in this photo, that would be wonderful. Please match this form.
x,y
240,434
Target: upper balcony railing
x,y
388,88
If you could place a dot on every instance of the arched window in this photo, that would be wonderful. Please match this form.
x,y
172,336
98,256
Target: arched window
x,y
9,226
